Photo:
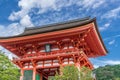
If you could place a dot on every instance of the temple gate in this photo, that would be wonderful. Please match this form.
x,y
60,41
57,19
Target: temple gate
x,y
42,50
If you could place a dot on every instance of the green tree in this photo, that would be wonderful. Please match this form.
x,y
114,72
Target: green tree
x,y
117,79
8,71
72,73
85,74
108,72
68,73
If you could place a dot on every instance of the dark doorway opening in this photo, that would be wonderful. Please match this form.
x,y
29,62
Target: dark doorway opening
x,y
44,78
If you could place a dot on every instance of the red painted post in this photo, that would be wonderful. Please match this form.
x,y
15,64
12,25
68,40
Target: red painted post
x,y
41,76
22,74
34,73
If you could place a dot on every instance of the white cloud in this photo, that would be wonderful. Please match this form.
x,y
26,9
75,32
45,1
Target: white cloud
x,y
11,29
91,3
99,3
27,5
112,13
1,48
96,66
46,5
1,27
17,15
97,62
106,26
111,42
26,21
111,37
7,53
112,62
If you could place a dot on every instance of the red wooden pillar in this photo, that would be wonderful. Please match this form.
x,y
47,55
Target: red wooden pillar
x,y
77,62
34,73
22,74
61,64
41,76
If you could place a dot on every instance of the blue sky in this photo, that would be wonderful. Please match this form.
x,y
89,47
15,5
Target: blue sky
x,y
15,15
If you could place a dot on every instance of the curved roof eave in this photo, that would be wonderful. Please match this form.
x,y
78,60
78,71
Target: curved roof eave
x,y
52,27
58,26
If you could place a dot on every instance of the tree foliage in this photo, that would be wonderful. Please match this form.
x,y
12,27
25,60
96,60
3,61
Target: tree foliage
x,y
108,72
72,73
86,74
8,71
